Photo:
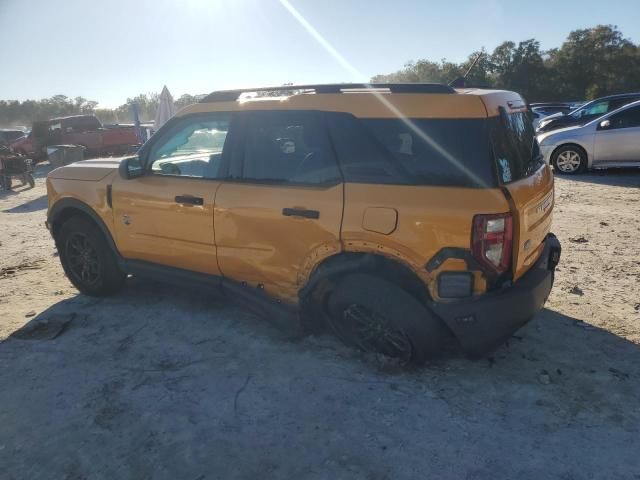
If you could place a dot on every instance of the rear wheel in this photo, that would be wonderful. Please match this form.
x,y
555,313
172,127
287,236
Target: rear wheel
x,y
374,315
87,258
569,160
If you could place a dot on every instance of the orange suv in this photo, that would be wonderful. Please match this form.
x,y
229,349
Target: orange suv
x,y
399,216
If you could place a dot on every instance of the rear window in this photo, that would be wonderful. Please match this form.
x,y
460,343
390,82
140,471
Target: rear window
x,y
80,124
515,145
12,134
439,152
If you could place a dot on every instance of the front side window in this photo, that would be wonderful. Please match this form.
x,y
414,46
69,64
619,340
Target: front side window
x,y
193,148
628,118
284,147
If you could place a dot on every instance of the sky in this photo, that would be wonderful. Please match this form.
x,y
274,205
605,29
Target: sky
x,y
109,50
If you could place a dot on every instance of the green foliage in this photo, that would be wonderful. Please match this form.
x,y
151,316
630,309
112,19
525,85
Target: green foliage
x,y
590,63
13,112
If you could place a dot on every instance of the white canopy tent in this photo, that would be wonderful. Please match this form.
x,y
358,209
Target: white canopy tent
x,y
166,108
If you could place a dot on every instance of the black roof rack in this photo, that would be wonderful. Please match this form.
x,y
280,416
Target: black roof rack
x,y
232,95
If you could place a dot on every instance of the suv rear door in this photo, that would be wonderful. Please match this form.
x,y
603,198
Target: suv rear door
x,y
280,210
528,182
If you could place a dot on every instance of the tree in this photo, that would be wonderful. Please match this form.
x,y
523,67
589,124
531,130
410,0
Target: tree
x,y
590,63
594,62
519,68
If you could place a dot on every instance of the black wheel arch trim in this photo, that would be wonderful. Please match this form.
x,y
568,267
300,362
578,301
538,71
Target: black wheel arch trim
x,y
63,205
345,263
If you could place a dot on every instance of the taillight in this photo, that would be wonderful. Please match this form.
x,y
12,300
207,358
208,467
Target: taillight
x,y
492,240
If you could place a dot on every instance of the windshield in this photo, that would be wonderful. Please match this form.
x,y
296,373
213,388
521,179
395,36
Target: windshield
x,y
597,108
592,109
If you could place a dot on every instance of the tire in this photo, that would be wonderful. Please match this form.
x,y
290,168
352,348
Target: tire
x,y
397,324
569,160
87,259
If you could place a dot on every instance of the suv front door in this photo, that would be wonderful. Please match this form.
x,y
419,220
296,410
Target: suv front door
x,y
280,211
166,215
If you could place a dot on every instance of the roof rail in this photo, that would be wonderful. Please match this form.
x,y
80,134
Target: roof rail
x,y
232,95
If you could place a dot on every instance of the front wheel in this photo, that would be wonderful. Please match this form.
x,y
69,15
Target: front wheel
x,y
569,160
87,259
374,315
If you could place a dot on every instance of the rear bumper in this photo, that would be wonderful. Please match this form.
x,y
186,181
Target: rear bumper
x,y
484,323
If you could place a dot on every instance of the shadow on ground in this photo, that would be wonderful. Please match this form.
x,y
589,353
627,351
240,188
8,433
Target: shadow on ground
x,y
617,177
34,205
156,383
42,169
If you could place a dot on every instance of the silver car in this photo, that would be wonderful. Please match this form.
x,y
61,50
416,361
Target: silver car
x,y
612,140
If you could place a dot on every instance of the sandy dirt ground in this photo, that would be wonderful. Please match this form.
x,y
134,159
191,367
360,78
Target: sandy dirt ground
x,y
165,384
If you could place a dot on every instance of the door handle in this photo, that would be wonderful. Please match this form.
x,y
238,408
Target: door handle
x,y
301,212
188,200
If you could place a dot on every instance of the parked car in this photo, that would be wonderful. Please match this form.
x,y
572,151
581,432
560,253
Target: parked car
x,y
84,130
8,135
612,140
381,212
23,145
541,111
587,112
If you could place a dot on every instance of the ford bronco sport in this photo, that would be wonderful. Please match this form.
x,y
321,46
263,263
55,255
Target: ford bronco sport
x,y
400,216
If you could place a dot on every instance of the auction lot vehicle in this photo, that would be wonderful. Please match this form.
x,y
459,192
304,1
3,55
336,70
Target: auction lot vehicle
x,y
13,165
612,140
400,216
542,111
8,135
586,113
23,145
84,130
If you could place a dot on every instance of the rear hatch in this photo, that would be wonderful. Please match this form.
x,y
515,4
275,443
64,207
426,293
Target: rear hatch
x,y
526,180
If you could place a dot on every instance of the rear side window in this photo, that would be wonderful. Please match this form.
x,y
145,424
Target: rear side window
x,y
515,145
439,152
284,147
80,124
628,118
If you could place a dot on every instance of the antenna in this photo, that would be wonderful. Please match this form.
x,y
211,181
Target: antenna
x,y
460,82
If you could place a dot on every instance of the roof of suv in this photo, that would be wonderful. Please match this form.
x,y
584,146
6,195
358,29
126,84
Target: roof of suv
x,y
417,100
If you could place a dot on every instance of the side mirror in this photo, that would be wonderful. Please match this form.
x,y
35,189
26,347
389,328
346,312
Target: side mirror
x,y
604,124
130,168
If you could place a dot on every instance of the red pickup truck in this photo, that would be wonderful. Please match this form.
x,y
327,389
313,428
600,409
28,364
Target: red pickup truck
x,y
85,130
